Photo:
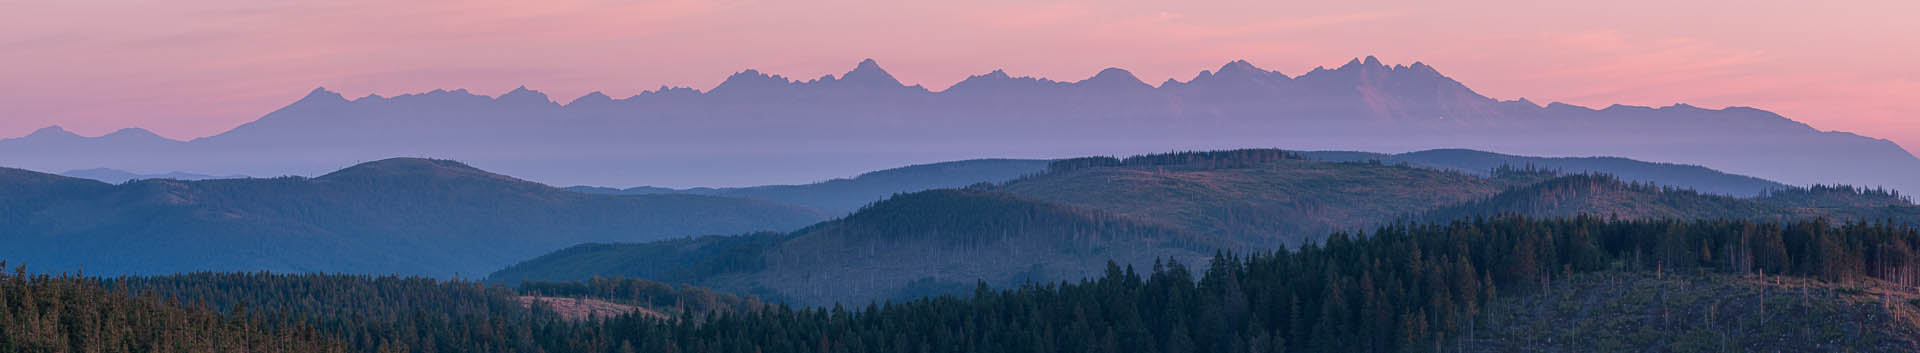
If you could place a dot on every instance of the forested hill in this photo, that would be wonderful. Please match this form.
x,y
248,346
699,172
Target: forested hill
x,y
411,216
1484,285
1603,195
843,196
1685,176
937,241
912,245
40,313
1262,197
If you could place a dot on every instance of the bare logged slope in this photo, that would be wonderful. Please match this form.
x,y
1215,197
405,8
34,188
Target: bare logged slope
x,y
583,309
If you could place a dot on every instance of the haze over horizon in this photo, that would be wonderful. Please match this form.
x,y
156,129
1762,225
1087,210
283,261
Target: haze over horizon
x,y
186,70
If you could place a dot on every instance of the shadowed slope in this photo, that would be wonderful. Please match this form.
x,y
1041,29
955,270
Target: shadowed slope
x,y
932,242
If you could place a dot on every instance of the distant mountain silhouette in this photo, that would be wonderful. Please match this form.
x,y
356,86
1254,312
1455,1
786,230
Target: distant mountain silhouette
x,y
757,128
116,176
405,215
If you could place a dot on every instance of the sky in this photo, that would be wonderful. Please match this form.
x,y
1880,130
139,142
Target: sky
x,y
193,68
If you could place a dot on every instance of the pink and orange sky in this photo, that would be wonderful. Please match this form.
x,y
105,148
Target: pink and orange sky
x,y
186,68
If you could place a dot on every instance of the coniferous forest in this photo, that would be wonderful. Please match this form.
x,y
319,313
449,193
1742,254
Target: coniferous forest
x,y
1399,288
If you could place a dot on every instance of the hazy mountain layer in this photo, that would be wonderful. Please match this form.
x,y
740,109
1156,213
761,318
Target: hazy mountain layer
x,y
843,196
116,176
409,216
757,128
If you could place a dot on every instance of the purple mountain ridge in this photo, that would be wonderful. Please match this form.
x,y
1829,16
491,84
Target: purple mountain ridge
x,y
761,128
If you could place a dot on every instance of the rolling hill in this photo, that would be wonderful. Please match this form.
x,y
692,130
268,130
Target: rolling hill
x,y
1265,197
1181,205
912,245
842,196
408,216
1606,196
1694,177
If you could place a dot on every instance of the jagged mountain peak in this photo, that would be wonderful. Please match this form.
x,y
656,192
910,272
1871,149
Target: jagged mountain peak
x,y
998,79
1238,71
524,95
667,90
751,80
322,95
133,132
1239,66
52,131
1369,62
591,98
1422,67
1113,77
869,73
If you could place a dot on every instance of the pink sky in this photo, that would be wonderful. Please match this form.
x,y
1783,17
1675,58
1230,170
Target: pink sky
x,y
187,69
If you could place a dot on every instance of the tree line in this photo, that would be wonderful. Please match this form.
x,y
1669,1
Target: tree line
x,y
1400,288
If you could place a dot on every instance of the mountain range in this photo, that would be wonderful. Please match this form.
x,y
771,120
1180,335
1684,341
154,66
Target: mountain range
x,y
757,128
408,216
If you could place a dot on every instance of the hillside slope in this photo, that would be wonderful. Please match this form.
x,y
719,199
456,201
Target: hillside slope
x,y
843,196
78,314
1606,196
931,242
1264,197
1648,312
1684,176
938,241
409,216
